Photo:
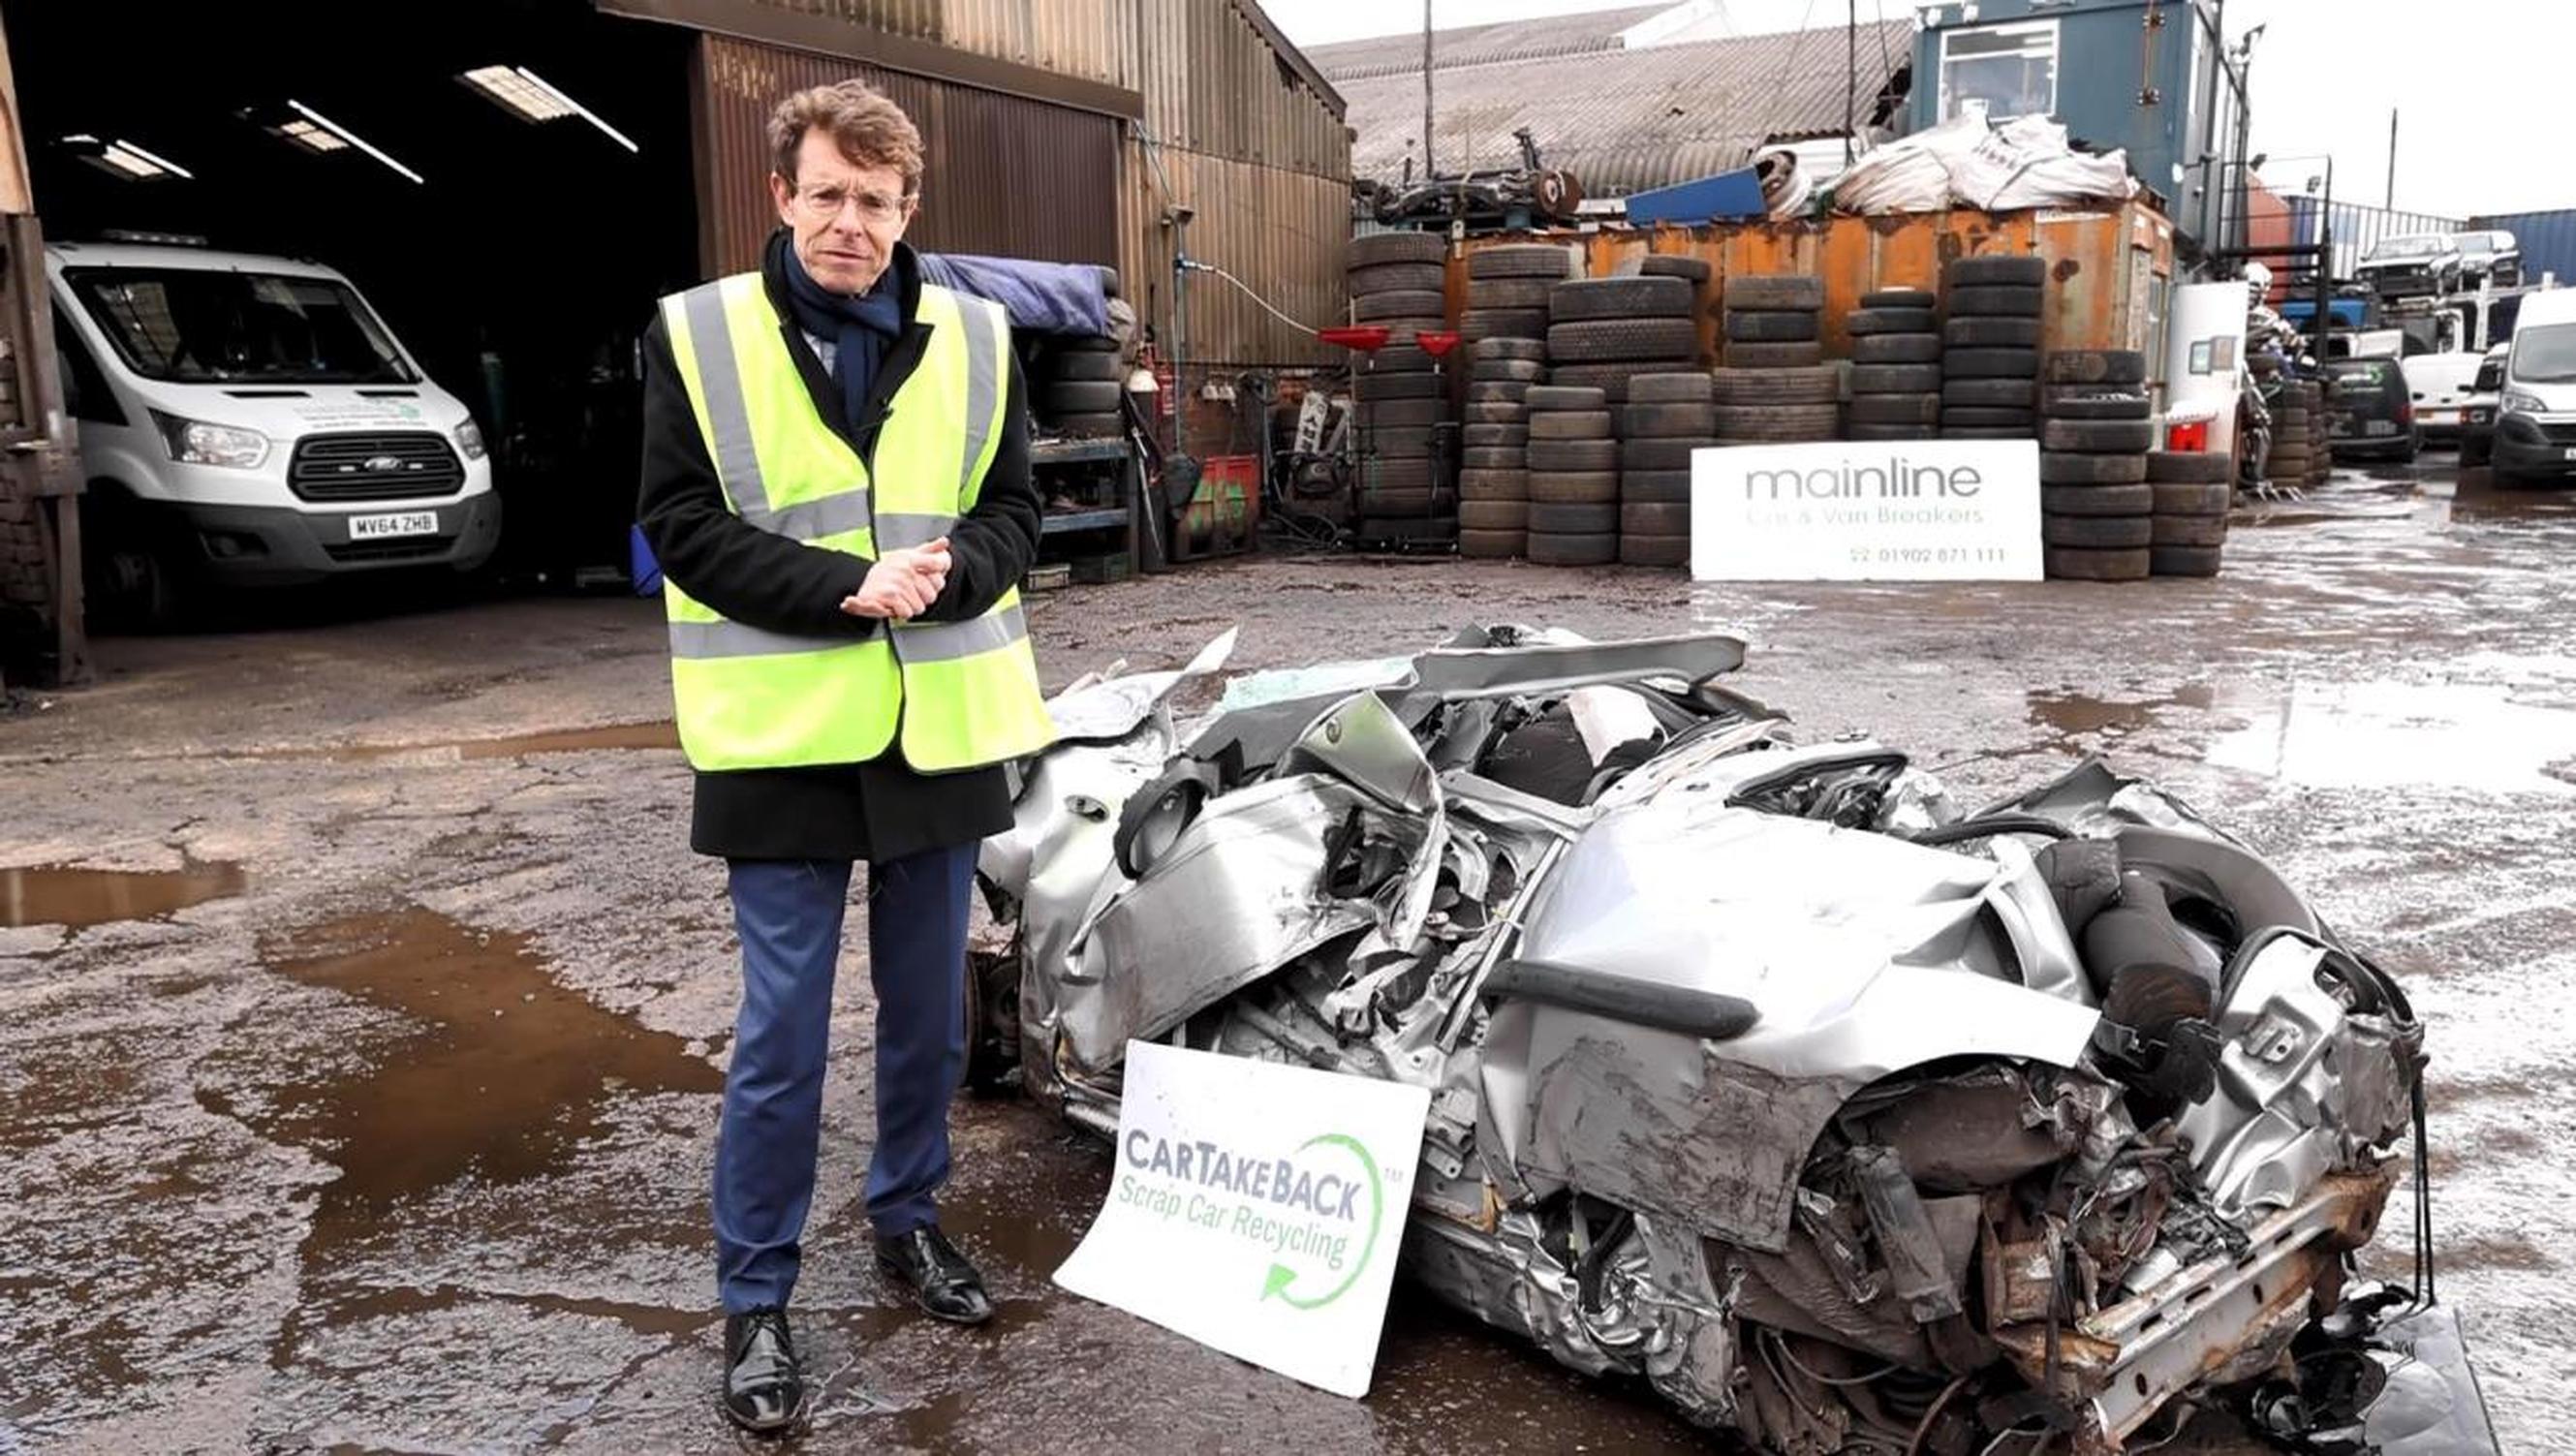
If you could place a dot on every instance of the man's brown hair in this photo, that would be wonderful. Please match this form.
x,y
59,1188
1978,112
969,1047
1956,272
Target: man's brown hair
x,y
869,129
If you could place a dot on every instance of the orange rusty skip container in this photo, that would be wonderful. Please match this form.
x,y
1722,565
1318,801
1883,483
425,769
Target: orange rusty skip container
x,y
2109,267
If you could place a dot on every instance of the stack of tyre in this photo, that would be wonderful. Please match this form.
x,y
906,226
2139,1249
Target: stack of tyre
x,y
1081,387
2297,421
2096,508
1776,387
1990,353
1493,485
1397,280
1507,290
1602,332
1573,517
2191,491
2320,434
1896,366
1667,416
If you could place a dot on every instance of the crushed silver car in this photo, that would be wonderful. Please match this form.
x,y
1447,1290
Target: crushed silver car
x,y
1762,1072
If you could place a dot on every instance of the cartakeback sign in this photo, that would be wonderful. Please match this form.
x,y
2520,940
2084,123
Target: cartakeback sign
x,y
1256,1208
1888,510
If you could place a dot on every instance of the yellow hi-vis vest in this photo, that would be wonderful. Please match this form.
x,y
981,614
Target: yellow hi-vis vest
x,y
962,693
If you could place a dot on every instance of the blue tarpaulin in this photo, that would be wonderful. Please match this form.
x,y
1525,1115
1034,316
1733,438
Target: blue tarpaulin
x,y
1041,298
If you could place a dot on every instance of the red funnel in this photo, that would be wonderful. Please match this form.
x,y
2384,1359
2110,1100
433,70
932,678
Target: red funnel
x,y
1437,345
1367,338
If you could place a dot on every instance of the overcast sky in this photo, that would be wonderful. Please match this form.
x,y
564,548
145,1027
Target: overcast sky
x,y
2482,94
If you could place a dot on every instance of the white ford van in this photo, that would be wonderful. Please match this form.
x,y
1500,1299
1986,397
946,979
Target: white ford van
x,y
249,421
2535,430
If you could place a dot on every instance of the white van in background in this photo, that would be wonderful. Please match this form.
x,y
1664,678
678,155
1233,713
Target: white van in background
x,y
2535,431
249,421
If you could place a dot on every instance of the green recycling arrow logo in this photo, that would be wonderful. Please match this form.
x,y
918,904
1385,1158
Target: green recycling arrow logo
x,y
1281,1276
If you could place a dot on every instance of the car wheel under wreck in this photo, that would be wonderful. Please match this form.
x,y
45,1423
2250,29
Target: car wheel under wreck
x,y
1761,1073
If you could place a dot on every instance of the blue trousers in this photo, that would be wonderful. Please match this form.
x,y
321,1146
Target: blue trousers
x,y
789,913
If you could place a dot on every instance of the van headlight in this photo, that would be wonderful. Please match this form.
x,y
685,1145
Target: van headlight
x,y
197,442
469,439
2517,401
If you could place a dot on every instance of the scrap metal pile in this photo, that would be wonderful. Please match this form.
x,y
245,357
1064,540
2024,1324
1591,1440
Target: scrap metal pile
x,y
1763,1073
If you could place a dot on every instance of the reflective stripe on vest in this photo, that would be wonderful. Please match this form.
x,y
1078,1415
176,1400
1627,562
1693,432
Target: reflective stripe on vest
x,y
961,693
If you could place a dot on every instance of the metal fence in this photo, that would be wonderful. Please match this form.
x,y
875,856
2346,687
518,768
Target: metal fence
x,y
2358,227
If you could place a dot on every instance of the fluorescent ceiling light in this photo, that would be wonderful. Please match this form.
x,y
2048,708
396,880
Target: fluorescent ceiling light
x,y
306,134
121,158
575,107
352,138
121,145
521,95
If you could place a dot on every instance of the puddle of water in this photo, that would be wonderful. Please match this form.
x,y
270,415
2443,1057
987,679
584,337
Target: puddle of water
x,y
616,737
507,1072
2388,735
70,896
2075,714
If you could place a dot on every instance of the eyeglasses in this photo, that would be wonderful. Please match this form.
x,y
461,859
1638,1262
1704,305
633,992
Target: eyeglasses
x,y
876,209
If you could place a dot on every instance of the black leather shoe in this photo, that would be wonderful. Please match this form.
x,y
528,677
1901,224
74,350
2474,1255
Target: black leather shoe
x,y
764,1387
941,1281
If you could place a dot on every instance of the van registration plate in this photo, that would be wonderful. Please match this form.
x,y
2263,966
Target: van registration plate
x,y
400,523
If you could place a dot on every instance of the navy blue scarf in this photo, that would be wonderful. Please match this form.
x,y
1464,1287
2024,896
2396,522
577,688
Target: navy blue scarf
x,y
859,327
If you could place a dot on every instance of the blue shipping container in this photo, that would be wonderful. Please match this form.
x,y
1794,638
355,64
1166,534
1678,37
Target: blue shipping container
x,y
2548,241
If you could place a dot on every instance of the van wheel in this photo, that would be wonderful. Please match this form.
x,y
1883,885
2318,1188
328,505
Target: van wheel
x,y
130,578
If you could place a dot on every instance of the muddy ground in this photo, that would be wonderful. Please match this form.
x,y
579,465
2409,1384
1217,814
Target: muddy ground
x,y
362,1011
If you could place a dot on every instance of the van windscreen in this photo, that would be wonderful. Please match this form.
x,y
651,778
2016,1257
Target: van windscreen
x,y
200,326
2545,355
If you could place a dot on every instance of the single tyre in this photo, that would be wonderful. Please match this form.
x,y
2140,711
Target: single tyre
x,y
1775,291
1981,432
1648,518
1088,364
1482,325
2075,563
1492,457
1625,338
1560,456
1990,363
1490,545
1896,349
1665,421
1507,371
1895,378
1404,358
1476,485
1552,398
1494,437
1813,385
1619,298
1531,350
2097,500
1402,442
1500,412
1559,519
1569,425
1988,393
1654,487
2097,533
1379,248
1748,326
2075,469
1610,379
1090,343
1408,330
1549,549
1743,355
1508,293
2181,466
1990,417
1090,426
1896,409
1662,455
1692,387
1083,396
1493,515
1637,550
1497,391
1521,260
1864,323
2129,437
2183,560
1373,387
1404,303
1587,488
1398,278
2189,497
1675,265
1385,474
1402,413
2093,402
1993,269
1863,430
1914,298
1777,422
1990,333
1994,302
2095,366
2190,531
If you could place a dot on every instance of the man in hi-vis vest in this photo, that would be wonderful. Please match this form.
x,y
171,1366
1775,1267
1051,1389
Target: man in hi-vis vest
x,y
836,484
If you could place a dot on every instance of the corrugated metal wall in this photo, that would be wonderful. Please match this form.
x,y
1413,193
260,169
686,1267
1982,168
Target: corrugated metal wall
x,y
2548,241
1092,39
1002,174
1281,233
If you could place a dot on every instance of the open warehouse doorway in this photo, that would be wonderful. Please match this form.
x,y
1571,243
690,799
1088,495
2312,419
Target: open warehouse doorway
x,y
508,182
